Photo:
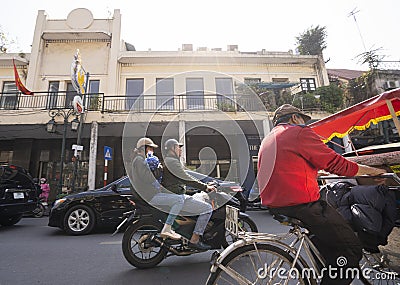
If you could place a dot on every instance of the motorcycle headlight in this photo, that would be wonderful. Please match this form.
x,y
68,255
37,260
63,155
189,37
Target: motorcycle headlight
x,y
58,202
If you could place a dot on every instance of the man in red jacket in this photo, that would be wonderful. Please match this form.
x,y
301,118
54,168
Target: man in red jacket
x,y
288,161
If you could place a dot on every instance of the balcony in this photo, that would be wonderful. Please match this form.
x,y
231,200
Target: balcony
x,y
141,104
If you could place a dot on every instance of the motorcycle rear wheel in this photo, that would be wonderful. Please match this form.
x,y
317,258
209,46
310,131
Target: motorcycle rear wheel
x,y
245,224
137,245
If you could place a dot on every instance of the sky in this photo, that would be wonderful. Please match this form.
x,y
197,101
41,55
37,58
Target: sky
x,y
253,25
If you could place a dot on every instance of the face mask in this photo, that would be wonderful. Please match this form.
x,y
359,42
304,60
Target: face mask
x,y
149,153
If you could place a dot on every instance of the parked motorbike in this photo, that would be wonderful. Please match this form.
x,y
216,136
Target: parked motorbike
x,y
42,209
143,247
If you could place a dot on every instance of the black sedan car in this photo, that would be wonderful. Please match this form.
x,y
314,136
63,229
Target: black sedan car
x,y
81,213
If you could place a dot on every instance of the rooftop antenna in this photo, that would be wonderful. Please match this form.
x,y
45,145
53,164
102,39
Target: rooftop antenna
x,y
353,13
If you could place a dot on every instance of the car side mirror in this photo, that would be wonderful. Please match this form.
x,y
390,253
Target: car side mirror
x,y
114,188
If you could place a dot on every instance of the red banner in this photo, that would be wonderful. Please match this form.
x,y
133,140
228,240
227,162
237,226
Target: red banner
x,y
19,84
359,116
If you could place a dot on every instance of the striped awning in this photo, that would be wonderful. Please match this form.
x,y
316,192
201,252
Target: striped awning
x,y
376,109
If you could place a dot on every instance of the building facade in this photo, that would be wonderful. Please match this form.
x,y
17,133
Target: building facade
x,y
200,97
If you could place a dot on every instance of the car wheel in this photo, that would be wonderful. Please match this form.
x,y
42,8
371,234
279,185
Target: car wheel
x,y
10,220
79,220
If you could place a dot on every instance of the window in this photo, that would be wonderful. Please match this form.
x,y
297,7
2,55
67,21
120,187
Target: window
x,y
52,98
124,184
307,84
93,95
165,93
252,81
280,80
6,157
225,96
195,93
9,96
134,89
69,97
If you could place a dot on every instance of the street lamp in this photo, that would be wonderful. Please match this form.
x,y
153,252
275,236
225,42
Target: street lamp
x,y
75,124
51,128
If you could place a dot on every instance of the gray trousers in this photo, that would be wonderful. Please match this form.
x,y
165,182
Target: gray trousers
x,y
187,204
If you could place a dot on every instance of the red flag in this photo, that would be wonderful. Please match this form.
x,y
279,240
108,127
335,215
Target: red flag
x,y
19,84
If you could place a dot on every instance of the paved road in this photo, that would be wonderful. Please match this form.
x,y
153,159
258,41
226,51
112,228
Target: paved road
x,y
33,253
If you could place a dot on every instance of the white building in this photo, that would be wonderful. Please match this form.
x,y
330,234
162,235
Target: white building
x,y
195,95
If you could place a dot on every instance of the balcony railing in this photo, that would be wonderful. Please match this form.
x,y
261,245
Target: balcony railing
x,y
46,100
180,103
120,103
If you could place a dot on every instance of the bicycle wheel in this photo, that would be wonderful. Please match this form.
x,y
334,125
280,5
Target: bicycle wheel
x,y
266,264
375,270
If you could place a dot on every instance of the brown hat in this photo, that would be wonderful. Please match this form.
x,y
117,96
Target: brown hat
x,y
145,142
287,109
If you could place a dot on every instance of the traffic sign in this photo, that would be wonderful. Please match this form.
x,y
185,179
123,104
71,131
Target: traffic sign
x,y
107,153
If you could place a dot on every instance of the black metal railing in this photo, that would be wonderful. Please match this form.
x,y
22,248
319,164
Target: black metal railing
x,y
180,103
121,103
48,100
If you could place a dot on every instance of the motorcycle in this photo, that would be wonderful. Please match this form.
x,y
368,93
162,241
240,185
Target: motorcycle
x,y
41,209
143,247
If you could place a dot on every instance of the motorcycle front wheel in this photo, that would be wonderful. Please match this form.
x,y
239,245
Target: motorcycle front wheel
x,y
139,247
39,211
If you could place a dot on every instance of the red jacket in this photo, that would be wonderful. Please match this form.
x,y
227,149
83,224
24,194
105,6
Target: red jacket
x,y
288,163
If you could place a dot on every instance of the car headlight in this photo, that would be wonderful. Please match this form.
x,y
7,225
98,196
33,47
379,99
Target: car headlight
x,y
58,202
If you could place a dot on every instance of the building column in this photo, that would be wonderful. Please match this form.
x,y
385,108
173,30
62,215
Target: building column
x,y
92,155
114,68
36,52
182,139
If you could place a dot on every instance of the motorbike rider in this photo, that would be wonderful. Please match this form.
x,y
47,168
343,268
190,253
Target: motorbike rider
x,y
144,180
175,180
45,189
289,159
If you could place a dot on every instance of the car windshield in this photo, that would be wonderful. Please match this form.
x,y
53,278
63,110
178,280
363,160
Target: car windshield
x,y
122,182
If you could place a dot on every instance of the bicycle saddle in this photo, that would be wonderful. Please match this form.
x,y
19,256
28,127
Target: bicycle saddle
x,y
288,220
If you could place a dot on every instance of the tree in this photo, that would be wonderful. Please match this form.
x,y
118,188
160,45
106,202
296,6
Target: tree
x,y
331,97
5,41
306,101
371,57
312,41
361,88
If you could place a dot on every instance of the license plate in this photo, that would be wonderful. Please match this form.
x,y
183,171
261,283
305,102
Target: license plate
x,y
231,220
18,195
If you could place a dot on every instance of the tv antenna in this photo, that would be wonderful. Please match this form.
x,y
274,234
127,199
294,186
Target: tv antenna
x,y
353,14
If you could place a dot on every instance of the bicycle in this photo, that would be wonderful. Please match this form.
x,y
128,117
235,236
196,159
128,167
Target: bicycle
x,y
288,258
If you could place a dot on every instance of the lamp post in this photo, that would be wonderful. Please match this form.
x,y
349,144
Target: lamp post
x,y
51,128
